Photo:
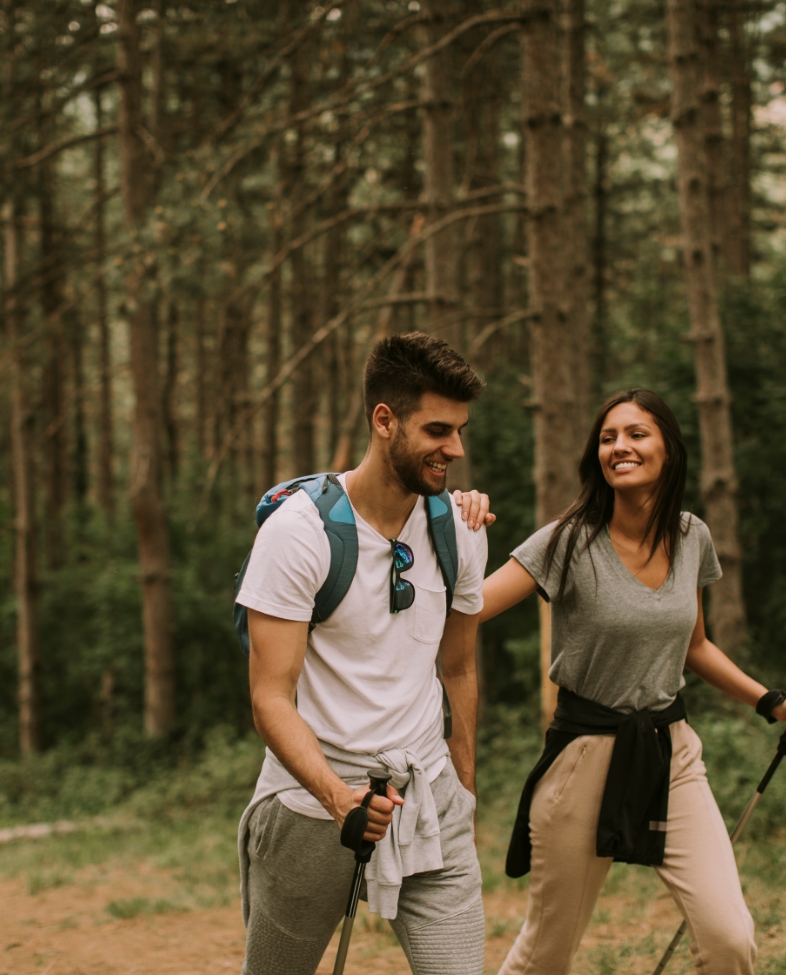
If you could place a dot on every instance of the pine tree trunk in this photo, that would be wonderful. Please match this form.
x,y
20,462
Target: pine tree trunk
x,y
304,398
53,379
441,252
80,458
201,375
168,398
25,578
707,15
553,391
600,252
105,431
232,364
343,454
738,241
574,74
273,362
150,516
336,375
718,478
482,101
338,372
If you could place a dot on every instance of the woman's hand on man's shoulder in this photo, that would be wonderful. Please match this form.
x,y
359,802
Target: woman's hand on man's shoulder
x,y
474,508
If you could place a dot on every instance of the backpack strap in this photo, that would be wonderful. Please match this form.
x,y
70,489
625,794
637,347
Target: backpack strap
x,y
338,520
442,529
240,613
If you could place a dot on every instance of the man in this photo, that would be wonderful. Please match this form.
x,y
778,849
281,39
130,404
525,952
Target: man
x,y
361,690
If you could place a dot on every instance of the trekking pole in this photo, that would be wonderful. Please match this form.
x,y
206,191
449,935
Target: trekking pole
x,y
742,823
352,837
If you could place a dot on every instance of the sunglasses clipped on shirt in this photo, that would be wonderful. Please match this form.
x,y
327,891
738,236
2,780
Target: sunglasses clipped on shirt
x,y
402,592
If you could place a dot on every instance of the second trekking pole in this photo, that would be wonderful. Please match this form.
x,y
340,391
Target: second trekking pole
x,y
743,822
352,837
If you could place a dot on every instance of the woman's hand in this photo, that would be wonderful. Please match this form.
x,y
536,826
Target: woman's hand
x,y
474,508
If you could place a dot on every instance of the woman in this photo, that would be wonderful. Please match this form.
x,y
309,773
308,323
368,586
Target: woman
x,y
621,776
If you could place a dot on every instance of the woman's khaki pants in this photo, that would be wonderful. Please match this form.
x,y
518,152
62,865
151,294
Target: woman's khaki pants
x,y
698,869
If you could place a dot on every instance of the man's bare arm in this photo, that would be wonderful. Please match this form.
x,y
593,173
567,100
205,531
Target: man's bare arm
x,y
278,649
461,682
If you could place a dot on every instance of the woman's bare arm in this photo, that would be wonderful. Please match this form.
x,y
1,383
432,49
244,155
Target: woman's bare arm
x,y
708,662
506,587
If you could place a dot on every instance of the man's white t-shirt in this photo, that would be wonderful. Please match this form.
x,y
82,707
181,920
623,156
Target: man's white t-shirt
x,y
369,680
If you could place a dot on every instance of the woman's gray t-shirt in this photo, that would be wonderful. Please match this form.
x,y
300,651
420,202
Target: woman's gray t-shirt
x,y
613,639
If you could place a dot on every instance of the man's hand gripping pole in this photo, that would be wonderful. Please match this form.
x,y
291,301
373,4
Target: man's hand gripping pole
x,y
352,837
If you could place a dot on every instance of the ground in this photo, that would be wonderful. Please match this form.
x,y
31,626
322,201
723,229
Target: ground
x,y
161,901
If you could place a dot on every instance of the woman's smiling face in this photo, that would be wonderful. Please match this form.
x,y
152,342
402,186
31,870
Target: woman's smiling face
x,y
631,451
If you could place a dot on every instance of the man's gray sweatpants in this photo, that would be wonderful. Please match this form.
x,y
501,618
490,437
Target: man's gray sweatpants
x,y
299,879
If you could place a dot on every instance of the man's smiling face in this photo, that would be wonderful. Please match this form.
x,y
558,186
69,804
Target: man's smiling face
x,y
426,443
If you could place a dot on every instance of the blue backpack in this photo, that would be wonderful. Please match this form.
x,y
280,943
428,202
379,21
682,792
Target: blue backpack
x,y
338,521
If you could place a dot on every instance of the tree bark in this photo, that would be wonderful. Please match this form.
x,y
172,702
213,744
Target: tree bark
x,y
718,478
53,379
304,398
201,374
707,17
271,409
342,456
79,463
553,391
105,431
169,396
574,80
441,252
25,576
482,99
232,365
150,516
600,252
738,241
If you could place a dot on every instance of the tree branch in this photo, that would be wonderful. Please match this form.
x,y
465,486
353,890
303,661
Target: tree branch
x,y
56,147
329,327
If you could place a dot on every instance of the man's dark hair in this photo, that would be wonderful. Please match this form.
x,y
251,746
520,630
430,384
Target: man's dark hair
x,y
401,368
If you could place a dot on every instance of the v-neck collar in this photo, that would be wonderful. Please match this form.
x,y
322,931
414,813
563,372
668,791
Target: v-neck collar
x,y
623,569
360,519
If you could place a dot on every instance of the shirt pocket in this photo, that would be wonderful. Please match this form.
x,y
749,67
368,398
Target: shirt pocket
x,y
429,609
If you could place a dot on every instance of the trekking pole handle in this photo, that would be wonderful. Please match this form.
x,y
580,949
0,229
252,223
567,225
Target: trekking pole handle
x,y
378,780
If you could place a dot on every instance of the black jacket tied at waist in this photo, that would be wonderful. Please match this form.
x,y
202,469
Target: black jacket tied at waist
x,y
635,804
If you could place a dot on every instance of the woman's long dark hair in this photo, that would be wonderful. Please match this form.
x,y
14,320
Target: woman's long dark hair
x,y
594,506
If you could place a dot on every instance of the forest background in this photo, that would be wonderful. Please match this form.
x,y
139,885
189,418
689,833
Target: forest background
x,y
210,212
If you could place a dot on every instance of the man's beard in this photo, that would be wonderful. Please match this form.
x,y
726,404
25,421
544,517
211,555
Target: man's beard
x,y
409,468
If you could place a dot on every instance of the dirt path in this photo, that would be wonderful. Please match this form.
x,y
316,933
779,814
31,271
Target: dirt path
x,y
107,921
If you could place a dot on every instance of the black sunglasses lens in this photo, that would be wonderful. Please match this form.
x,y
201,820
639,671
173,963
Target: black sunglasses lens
x,y
403,595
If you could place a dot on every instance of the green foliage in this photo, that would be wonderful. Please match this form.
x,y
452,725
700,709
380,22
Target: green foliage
x,y
210,244
140,776
502,456
90,618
